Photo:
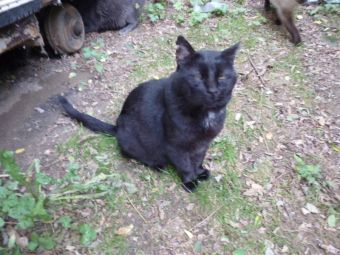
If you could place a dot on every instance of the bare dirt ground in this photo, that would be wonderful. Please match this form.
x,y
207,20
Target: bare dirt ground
x,y
286,103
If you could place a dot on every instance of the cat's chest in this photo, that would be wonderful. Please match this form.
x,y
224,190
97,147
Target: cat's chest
x,y
213,120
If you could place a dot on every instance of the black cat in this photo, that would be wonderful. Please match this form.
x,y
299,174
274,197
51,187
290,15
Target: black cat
x,y
103,15
174,120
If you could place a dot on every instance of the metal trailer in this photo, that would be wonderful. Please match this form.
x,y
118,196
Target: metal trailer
x,y
59,21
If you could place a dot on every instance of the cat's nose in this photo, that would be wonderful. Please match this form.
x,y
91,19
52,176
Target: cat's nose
x,y
213,91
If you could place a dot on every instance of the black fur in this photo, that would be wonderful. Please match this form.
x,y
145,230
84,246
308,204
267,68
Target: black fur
x,y
103,15
174,120
87,120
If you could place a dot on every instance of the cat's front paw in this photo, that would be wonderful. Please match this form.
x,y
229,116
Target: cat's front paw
x,y
205,175
190,186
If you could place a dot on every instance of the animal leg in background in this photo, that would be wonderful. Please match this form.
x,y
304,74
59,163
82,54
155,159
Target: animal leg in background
x,y
286,17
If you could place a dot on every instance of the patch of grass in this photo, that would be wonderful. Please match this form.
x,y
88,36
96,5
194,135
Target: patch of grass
x,y
279,236
156,64
292,64
261,170
235,28
112,243
237,216
326,9
72,143
104,154
224,149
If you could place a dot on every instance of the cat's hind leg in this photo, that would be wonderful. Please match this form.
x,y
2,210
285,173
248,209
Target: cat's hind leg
x,y
286,17
127,29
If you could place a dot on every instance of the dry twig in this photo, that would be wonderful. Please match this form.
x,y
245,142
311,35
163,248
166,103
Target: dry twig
x,y
256,71
134,207
207,218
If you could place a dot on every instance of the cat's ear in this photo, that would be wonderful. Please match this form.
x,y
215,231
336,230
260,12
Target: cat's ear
x,y
184,50
230,53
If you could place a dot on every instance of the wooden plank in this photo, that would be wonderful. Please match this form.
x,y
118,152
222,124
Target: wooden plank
x,y
6,5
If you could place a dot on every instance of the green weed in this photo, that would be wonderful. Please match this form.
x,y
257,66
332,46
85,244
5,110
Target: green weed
x,y
96,54
309,173
27,201
156,11
325,9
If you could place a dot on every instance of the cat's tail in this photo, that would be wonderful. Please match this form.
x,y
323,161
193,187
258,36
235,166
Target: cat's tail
x,y
87,120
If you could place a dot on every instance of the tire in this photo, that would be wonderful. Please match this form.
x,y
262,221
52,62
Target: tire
x,y
64,29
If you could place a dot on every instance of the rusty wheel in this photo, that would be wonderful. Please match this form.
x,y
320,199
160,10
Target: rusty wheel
x,y
64,29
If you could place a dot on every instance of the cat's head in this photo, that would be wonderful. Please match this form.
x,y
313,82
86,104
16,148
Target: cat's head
x,y
206,77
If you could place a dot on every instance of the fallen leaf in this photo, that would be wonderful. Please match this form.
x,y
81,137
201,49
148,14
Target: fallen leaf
x,y
188,233
70,248
330,249
262,230
312,208
269,136
269,251
40,110
218,177
255,190
72,75
335,147
331,220
240,251
234,224
198,247
22,242
190,207
285,249
280,203
161,213
250,124
238,116
305,211
321,121
125,231
131,188
261,139
20,150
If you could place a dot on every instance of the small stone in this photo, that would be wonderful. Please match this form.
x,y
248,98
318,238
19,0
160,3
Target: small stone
x,y
38,109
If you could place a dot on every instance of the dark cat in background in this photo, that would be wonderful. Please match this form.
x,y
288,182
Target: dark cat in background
x,y
103,15
174,120
285,13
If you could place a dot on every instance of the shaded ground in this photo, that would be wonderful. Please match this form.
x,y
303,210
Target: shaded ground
x,y
257,202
